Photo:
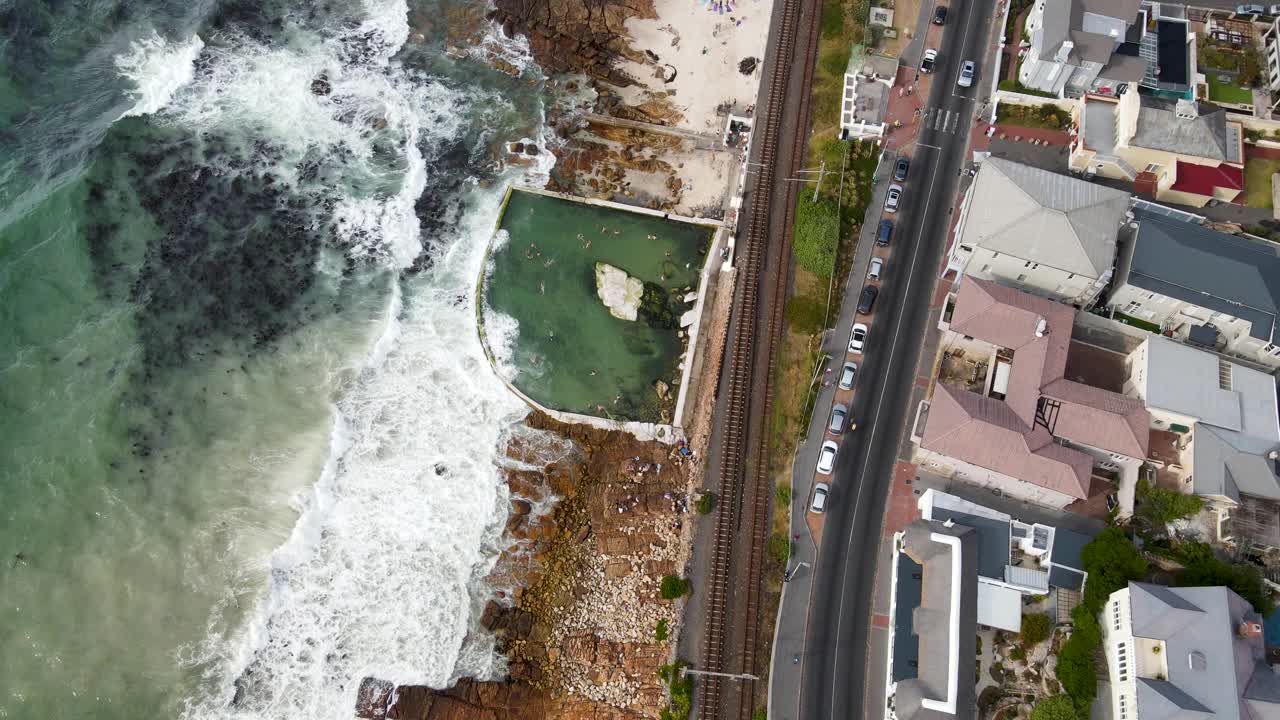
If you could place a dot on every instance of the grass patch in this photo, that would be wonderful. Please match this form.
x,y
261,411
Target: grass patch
x,y
1138,323
782,496
1017,87
817,235
1045,117
1227,92
1257,181
662,631
780,549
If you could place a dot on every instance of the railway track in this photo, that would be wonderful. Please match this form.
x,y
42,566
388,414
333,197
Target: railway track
x,y
744,483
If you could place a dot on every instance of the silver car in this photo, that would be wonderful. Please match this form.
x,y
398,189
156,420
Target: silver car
x,y
891,200
847,374
820,493
874,269
967,70
838,415
827,458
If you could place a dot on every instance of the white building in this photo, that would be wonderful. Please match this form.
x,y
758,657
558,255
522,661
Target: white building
x,y
1046,233
1074,46
868,80
1186,653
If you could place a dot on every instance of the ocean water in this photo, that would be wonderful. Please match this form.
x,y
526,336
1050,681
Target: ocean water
x,y
249,445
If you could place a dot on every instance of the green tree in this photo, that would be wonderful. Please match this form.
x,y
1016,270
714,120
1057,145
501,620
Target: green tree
x,y
1245,580
1057,707
1075,668
1035,629
1159,506
1111,561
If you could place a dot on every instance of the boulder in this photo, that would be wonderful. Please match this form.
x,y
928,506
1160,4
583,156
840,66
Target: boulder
x,y
619,292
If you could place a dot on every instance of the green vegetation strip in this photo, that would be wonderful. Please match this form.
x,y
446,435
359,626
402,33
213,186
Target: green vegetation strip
x,y
1257,181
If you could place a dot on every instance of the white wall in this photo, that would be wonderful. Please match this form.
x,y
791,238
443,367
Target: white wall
x,y
962,471
1035,278
1118,645
1179,315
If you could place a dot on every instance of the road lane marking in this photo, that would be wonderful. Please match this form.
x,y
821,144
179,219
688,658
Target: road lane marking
x,y
875,426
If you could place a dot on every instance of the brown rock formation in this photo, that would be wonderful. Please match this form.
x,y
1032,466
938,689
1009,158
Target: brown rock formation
x,y
575,35
579,640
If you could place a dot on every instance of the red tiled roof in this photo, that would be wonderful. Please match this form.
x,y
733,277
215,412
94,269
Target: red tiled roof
x,y
1100,418
1204,179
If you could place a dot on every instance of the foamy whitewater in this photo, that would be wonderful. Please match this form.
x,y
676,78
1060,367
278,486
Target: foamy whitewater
x,y
382,574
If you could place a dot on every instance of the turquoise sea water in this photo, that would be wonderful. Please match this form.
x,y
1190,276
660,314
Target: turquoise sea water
x,y
247,439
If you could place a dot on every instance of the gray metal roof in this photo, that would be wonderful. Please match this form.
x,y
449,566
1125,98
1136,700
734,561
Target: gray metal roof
x,y
1067,545
1124,68
1224,273
1044,217
1066,578
1160,129
932,621
906,647
993,539
1199,620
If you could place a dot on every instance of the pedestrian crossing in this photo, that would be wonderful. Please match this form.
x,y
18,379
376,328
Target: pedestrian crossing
x,y
942,120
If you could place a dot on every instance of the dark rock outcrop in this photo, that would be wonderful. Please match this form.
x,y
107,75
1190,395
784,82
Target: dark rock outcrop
x,y
585,36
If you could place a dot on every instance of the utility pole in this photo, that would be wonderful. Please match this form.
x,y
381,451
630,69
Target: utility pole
x,y
731,676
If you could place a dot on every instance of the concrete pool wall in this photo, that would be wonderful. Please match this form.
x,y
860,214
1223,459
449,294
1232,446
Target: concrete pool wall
x,y
689,356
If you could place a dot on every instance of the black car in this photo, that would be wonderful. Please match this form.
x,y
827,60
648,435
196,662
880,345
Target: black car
x,y
868,299
900,169
940,15
884,233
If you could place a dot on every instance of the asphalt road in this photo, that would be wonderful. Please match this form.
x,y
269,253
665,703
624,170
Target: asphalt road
x,y
835,663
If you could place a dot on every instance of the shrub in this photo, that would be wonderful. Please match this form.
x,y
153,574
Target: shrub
x,y
1017,653
1159,506
1202,569
673,587
1035,629
706,503
780,549
817,233
1111,561
1058,707
680,687
661,632
782,495
759,714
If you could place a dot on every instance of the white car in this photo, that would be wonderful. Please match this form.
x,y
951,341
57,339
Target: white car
x,y
827,457
1250,9
929,60
891,199
820,493
967,70
875,268
857,339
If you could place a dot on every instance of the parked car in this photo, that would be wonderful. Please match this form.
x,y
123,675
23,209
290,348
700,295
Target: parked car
x,y
892,198
1250,10
874,269
867,301
940,15
839,413
820,493
857,338
847,375
884,232
900,169
967,70
827,457
929,60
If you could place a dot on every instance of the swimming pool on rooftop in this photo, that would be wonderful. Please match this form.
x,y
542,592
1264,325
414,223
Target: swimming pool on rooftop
x,y
569,353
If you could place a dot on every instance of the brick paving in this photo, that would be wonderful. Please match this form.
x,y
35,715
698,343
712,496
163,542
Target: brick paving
x,y
901,508
880,620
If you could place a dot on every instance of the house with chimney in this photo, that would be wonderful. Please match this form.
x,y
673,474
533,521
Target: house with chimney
x,y
1173,150
1082,46
1003,413
1186,652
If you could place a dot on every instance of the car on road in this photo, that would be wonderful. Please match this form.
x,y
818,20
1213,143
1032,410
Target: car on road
x,y
820,493
884,232
839,413
929,60
967,70
940,15
1250,10
900,169
892,199
847,375
867,301
875,268
857,338
827,457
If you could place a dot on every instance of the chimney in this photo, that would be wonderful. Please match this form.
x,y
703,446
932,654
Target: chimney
x,y
1249,629
1042,328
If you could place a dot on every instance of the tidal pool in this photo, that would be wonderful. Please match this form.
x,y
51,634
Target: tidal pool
x,y
569,352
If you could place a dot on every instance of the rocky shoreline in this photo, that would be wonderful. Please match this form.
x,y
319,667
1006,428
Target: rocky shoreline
x,y
580,629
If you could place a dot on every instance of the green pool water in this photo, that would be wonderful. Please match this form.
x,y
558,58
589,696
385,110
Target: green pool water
x,y
569,352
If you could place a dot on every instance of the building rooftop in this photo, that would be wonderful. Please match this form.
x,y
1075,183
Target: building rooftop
x,y
1045,217
1205,179
1233,275
944,623
1214,668
1205,135
1015,435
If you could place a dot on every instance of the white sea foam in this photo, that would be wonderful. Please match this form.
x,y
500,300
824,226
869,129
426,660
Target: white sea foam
x,y
157,69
